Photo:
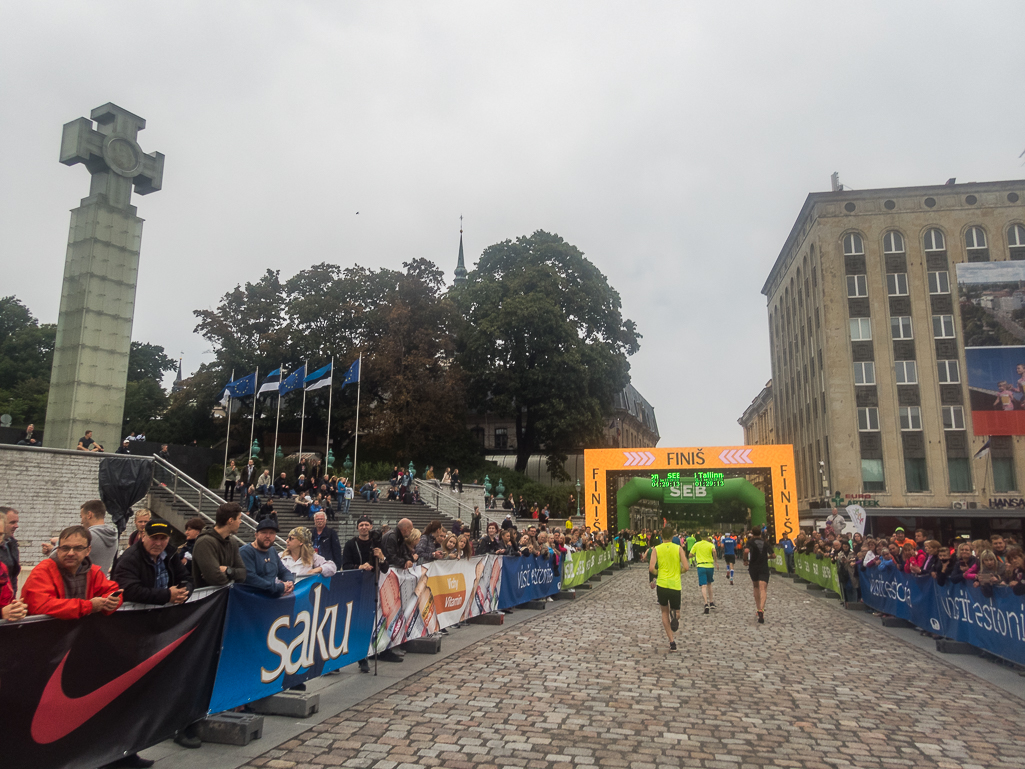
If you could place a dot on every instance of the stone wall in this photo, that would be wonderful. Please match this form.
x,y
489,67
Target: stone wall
x,y
47,487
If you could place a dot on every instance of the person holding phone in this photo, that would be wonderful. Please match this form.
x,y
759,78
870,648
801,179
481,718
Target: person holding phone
x,y
148,573
70,586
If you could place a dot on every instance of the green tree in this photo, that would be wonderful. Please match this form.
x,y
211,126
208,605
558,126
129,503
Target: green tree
x,y
543,342
26,357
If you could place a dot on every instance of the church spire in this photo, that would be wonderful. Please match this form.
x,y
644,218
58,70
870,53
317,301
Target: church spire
x,y
460,278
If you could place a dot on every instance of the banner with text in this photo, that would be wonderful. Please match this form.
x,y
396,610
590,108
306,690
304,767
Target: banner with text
x,y
527,578
820,571
959,612
271,644
779,561
581,566
68,701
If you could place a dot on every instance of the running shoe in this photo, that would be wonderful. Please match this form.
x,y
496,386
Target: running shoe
x,y
761,618
712,604
731,580
706,608
674,621
672,646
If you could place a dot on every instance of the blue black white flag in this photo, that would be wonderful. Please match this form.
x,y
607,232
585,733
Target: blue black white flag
x,y
319,378
240,388
984,450
352,375
293,381
271,382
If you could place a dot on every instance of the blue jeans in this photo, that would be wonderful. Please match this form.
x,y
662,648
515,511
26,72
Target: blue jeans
x,y
345,506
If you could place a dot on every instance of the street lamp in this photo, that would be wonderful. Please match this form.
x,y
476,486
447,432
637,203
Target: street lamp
x,y
578,497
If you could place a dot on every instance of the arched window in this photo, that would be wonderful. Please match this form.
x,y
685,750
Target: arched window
x,y
853,245
934,240
975,238
893,243
1016,236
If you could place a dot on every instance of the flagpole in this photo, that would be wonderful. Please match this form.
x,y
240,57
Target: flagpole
x,y
355,448
302,420
330,388
227,435
274,462
256,397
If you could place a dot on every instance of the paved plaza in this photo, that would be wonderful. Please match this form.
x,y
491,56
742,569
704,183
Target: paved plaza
x,y
594,684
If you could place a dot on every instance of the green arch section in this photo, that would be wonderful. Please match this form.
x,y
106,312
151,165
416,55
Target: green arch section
x,y
738,489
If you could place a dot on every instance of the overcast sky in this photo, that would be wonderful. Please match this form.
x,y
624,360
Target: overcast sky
x,y
673,143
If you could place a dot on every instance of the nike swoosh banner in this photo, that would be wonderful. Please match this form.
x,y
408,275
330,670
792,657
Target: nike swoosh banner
x,y
276,643
75,691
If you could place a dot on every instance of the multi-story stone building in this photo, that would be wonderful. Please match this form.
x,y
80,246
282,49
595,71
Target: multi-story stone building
x,y
758,421
868,362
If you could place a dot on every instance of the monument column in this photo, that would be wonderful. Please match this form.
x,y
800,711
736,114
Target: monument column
x,y
94,328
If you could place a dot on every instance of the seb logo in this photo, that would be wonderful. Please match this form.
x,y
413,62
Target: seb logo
x,y
310,640
449,591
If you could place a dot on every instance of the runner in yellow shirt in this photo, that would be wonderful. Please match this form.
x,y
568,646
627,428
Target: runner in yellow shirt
x,y
667,562
703,553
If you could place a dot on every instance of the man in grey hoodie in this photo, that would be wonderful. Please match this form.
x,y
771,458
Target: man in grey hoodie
x,y
104,536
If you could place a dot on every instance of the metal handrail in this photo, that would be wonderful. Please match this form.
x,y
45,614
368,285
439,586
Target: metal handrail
x,y
464,511
181,483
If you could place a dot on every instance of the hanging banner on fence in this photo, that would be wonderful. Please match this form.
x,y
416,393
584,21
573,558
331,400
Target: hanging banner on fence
x,y
779,561
820,571
959,612
527,578
408,601
271,644
581,566
74,691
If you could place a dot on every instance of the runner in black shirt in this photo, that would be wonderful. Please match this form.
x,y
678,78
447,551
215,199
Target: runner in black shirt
x,y
756,557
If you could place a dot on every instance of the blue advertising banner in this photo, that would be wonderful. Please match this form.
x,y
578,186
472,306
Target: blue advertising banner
x,y
271,644
959,612
527,578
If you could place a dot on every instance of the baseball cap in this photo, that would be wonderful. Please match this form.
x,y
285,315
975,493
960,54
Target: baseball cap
x,y
268,523
158,527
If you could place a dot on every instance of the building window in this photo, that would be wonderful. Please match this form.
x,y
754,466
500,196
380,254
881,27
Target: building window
x,y
906,372
910,418
939,283
960,473
868,419
853,245
975,238
897,284
857,285
934,241
501,437
872,477
953,417
1003,475
915,474
943,326
1016,236
900,327
861,329
893,243
865,373
478,436
948,372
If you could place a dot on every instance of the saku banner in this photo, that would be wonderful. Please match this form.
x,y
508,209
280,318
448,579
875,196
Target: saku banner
x,y
580,567
527,578
820,571
86,692
271,644
779,561
959,612
418,602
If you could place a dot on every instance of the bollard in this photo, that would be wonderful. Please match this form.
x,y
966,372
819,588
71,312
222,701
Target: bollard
x,y
230,728
288,703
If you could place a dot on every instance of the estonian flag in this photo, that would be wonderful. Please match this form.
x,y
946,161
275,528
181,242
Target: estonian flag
x,y
294,381
983,451
319,378
240,388
352,375
270,384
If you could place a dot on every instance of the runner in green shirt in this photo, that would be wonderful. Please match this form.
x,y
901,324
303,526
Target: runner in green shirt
x,y
691,539
703,553
667,563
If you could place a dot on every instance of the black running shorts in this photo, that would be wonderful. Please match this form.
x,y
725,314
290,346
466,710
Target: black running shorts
x,y
730,559
759,576
668,596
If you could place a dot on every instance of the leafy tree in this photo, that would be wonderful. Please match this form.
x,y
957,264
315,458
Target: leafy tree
x,y
543,342
26,357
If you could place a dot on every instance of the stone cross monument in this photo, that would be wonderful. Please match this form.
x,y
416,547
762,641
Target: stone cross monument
x,y
94,329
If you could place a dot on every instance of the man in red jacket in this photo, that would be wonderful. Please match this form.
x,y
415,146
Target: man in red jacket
x,y
70,587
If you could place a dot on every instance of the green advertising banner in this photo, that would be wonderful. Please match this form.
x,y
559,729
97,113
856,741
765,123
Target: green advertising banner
x,y
819,571
779,562
580,567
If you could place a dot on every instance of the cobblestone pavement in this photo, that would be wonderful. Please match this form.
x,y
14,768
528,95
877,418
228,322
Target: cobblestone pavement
x,y
594,684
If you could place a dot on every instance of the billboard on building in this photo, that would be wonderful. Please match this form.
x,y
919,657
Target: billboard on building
x,y
992,304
